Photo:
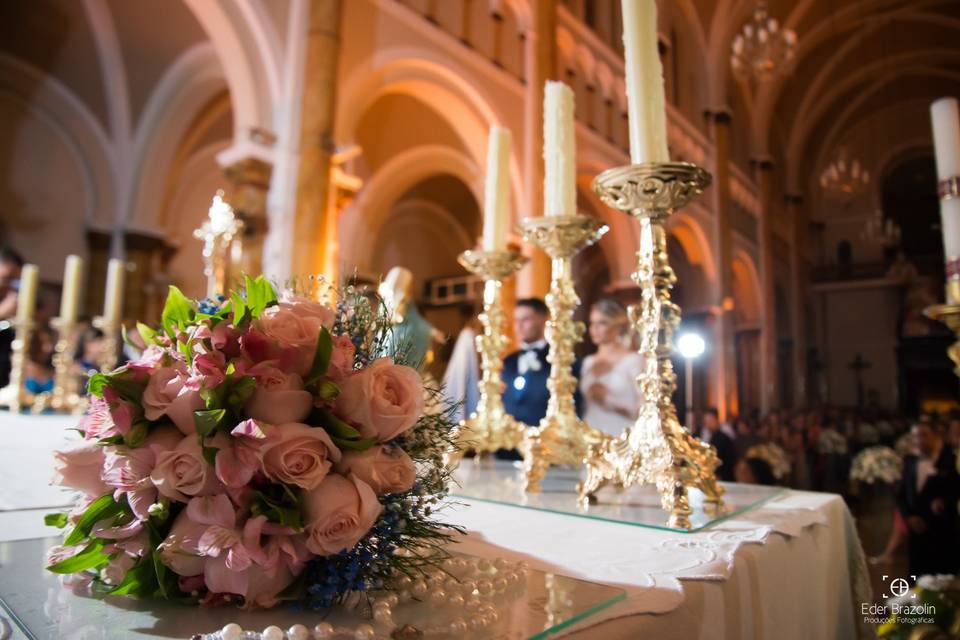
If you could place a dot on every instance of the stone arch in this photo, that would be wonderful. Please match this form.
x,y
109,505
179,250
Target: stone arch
x,y
747,307
363,219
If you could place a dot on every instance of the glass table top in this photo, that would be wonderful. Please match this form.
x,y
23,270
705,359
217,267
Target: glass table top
x,y
37,607
501,482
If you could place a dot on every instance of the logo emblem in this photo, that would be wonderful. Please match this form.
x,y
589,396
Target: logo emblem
x,y
898,587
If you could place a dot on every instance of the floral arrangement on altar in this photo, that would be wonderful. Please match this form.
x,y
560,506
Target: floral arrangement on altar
x,y
831,442
773,455
258,450
904,446
876,464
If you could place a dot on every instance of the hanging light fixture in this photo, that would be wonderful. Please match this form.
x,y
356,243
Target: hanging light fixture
x,y
762,49
844,178
881,231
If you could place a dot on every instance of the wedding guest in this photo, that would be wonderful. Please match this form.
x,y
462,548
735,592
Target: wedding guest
x,y
929,490
10,265
463,369
89,351
746,435
608,383
713,434
754,471
525,372
39,366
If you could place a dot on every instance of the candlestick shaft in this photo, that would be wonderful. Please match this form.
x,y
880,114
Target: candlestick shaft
x,y
647,116
497,191
559,155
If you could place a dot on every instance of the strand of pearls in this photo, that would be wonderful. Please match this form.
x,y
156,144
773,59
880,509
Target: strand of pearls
x,y
467,585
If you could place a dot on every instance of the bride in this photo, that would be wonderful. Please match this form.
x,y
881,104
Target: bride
x,y
608,377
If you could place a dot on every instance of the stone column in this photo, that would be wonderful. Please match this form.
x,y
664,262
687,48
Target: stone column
x,y
723,391
540,63
763,176
249,180
799,279
314,234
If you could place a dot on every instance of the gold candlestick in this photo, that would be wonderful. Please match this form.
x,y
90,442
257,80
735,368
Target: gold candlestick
x,y
15,395
561,437
490,427
657,449
66,396
109,354
949,313
218,233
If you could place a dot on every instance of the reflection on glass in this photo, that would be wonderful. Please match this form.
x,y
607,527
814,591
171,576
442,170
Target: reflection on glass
x,y
42,609
638,506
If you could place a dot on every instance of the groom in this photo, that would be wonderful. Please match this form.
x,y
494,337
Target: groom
x,y
525,372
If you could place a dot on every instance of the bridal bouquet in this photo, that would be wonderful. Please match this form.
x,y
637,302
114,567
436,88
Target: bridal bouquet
x,y
258,450
876,464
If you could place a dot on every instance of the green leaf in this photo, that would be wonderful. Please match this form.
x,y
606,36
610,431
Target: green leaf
x,y
148,334
327,390
241,312
240,392
58,520
213,398
336,427
260,295
210,455
138,433
356,445
177,311
92,556
321,358
208,421
100,509
166,579
276,510
96,384
140,580
186,348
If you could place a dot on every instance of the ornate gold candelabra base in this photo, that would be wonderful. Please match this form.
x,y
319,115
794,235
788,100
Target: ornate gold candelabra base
x,y
65,397
949,314
490,427
15,395
561,437
110,353
657,449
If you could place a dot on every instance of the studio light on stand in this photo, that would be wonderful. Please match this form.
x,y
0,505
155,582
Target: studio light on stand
x,y
691,346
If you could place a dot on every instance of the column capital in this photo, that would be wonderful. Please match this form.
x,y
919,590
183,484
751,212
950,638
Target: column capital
x,y
259,146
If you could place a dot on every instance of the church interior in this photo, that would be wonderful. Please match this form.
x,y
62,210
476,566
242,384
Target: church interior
x,y
349,138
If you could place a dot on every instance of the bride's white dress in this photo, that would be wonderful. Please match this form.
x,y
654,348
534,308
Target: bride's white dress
x,y
620,381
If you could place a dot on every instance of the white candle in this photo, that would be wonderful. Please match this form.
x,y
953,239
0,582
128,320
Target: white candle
x,y
70,293
646,105
946,145
27,293
113,300
497,190
559,160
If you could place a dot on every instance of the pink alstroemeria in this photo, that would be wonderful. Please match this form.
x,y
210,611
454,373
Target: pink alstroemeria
x,y
208,371
236,464
122,412
222,337
128,470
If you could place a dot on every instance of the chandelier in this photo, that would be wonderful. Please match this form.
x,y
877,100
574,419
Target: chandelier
x,y
762,49
880,231
844,177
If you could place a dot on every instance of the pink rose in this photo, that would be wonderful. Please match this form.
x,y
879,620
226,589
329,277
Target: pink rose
x,y
386,469
307,308
383,400
183,472
128,470
341,360
296,334
80,467
279,397
299,455
339,513
167,395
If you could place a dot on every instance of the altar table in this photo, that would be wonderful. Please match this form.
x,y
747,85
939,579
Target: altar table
x,y
790,568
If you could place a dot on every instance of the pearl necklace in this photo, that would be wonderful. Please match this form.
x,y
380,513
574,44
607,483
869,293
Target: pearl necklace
x,y
469,585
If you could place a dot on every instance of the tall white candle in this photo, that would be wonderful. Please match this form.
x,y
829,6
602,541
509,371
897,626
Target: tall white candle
x,y
70,294
646,105
559,159
497,190
27,293
113,300
946,145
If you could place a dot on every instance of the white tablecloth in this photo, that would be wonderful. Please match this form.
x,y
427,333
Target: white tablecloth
x,y
792,568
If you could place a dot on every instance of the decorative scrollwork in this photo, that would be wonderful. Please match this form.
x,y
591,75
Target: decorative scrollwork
x,y
657,189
